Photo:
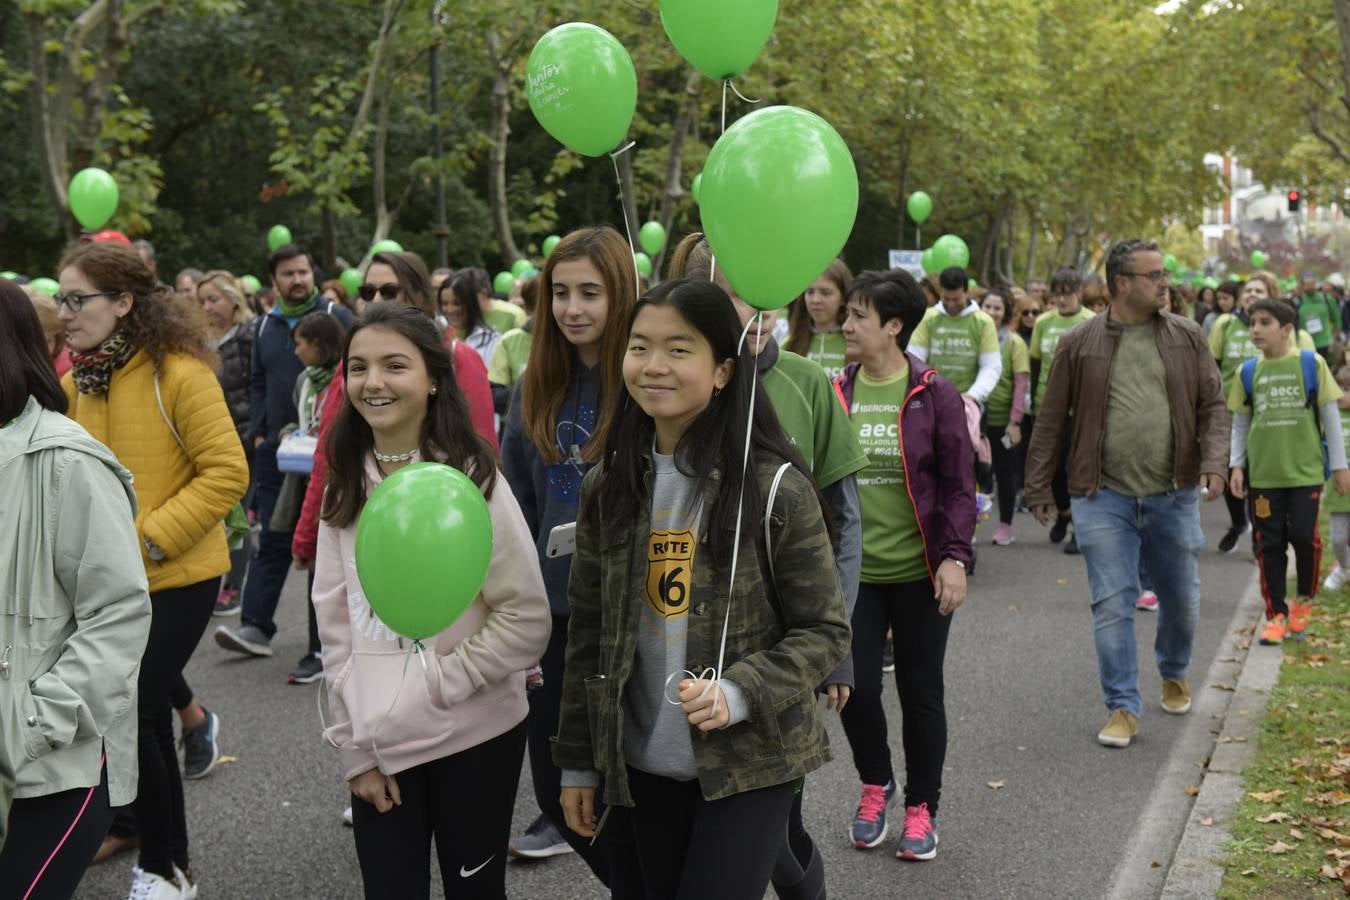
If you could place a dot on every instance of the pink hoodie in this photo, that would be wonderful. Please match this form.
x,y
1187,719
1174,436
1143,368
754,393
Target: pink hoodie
x,y
474,687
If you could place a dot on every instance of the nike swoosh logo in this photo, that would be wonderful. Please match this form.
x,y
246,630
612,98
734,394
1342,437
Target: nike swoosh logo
x,y
469,873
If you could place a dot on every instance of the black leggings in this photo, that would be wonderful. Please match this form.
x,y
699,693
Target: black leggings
x,y
910,611
1237,509
1005,467
691,848
179,618
465,802
1059,484
52,840
1280,517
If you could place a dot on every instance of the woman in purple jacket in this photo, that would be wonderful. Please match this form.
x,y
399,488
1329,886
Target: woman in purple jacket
x,y
918,512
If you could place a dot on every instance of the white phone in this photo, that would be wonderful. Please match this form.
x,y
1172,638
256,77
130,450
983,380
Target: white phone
x,y
562,541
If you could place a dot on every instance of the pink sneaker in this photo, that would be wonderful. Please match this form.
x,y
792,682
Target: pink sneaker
x,y
1147,601
227,602
920,839
1003,535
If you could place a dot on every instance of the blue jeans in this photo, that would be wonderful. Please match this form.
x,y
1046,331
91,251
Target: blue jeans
x,y
272,559
1116,533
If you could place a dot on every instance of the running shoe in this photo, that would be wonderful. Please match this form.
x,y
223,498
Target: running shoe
x,y
1274,631
201,749
1336,578
249,640
1003,535
888,655
1147,601
1228,543
1300,612
1060,529
869,825
149,886
540,841
307,671
920,839
228,602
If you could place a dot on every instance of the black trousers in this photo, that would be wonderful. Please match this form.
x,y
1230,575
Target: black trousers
x,y
910,612
52,840
691,848
1237,508
1059,485
1280,517
1005,478
179,618
465,803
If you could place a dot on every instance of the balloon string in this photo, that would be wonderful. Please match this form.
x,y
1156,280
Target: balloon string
x,y
627,227
739,94
417,648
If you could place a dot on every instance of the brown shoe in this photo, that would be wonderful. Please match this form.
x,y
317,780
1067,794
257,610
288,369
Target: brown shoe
x,y
1119,730
1176,696
115,844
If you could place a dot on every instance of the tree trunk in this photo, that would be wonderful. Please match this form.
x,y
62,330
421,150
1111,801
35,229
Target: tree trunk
x,y
501,131
900,236
674,191
377,171
328,240
1031,249
48,129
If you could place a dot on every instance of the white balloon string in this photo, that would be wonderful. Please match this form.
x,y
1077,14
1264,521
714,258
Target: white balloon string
x,y
739,94
417,648
627,227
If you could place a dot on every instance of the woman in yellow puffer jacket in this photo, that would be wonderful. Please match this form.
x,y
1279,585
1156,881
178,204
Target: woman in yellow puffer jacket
x,y
143,385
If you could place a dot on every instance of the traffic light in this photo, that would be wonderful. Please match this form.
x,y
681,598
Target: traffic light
x,y
1294,198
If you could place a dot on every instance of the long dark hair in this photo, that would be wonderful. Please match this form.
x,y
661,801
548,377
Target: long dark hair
x,y
447,431
715,441
25,368
325,330
464,286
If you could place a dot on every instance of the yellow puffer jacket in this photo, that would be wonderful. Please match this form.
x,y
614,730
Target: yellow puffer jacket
x,y
182,501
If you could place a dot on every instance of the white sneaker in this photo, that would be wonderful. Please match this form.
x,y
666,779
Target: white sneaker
x,y
189,887
1336,579
347,817
149,886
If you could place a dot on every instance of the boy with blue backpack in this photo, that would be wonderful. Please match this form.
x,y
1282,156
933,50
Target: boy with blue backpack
x,y
1284,405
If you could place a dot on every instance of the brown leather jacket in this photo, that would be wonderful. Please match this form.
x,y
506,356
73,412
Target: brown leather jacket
x,y
1080,382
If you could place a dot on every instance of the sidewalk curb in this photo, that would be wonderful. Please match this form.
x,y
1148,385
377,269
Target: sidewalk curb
x,y
1196,870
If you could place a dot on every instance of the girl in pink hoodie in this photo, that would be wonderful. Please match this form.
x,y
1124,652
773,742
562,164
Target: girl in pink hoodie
x,y
436,756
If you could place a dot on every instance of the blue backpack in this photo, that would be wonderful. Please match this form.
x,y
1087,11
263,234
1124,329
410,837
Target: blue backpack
x,y
1309,359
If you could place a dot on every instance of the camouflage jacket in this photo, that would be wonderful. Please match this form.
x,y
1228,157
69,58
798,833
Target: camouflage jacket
x,y
777,651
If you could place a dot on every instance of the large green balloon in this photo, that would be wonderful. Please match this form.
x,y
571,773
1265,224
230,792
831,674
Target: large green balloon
x,y
1258,259
780,195
46,285
386,246
93,197
652,237
582,87
929,262
644,263
950,250
720,37
423,547
351,279
503,283
920,206
1170,263
520,267
278,236
550,242
251,284
696,188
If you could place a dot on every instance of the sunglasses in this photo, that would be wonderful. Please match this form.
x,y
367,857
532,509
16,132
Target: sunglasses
x,y
387,291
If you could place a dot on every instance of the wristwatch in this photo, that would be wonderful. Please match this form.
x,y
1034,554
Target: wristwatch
x,y
956,562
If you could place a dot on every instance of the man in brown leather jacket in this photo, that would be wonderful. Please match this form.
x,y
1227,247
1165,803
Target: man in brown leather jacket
x,y
1150,438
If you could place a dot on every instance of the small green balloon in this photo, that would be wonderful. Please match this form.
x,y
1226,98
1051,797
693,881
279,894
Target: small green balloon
x,y
972,284
652,237
278,236
503,283
9,276
929,262
386,246
1211,282
1258,259
46,285
950,250
696,188
252,284
351,280
920,206
550,242
720,38
582,87
520,267
1170,263
93,197
644,263
423,548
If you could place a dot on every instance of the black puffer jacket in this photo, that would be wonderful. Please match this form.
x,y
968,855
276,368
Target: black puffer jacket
x,y
236,373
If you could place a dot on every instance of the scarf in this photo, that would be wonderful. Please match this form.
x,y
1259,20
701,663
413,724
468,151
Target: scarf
x,y
294,312
316,379
93,370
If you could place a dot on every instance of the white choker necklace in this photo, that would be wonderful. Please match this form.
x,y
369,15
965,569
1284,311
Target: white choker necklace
x,y
394,457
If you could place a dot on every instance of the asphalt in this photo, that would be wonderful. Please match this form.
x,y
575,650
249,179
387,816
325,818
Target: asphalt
x,y
1024,708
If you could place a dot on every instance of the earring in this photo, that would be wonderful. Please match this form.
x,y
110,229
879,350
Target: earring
x,y
716,391
433,390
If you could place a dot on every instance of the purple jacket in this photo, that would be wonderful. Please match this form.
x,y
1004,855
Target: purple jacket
x,y
939,461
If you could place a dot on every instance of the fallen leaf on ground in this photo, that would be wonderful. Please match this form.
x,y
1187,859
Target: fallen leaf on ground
x,y
1223,687
1155,865
1336,837
1014,607
1330,798
1324,822
1229,659
1224,739
1296,834
1278,817
1061,581
1248,872
1191,790
1267,796
226,759
1280,847
1241,712
996,785
1207,820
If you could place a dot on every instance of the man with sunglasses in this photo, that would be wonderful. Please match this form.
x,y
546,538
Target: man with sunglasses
x,y
1135,477
272,407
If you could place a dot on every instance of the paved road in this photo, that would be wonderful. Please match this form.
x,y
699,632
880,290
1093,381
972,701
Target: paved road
x,y
1022,698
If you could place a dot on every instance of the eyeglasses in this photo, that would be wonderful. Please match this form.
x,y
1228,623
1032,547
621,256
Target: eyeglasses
x,y
1157,277
1031,312
76,302
387,291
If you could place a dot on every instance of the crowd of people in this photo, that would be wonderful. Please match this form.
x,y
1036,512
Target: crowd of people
x,y
804,485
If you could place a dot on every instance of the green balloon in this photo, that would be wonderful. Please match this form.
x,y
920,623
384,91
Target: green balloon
x,y
780,196
46,285
351,279
950,250
696,188
386,246
720,37
9,276
1258,259
503,283
1170,263
929,262
652,237
1211,282
93,197
252,284
920,206
278,236
520,267
644,263
972,284
423,547
550,242
582,87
